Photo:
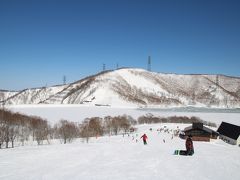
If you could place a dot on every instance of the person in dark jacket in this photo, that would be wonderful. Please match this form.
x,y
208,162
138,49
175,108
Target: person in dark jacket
x,y
189,148
144,137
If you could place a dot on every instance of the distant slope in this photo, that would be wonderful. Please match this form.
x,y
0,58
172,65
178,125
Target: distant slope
x,y
137,88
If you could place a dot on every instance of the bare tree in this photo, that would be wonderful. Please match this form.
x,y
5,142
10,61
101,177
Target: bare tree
x,y
95,126
124,123
24,128
108,125
67,130
116,124
6,121
14,128
92,127
2,130
42,131
84,130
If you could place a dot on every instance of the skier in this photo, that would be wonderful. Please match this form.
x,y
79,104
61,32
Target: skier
x,y
144,139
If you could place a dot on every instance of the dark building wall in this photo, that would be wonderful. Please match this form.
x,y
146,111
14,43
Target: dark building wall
x,y
197,132
200,135
228,140
197,138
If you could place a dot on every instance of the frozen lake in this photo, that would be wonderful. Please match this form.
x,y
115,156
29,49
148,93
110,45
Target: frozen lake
x,y
78,113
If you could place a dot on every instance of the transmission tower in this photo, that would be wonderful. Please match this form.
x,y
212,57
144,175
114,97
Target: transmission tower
x,y
149,63
64,79
104,67
217,79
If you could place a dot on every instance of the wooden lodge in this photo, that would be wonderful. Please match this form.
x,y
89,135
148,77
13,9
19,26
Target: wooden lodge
x,y
199,132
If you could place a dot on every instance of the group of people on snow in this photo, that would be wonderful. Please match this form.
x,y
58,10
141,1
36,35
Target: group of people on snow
x,y
189,146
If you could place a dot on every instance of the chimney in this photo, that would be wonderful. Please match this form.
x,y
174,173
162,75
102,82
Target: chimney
x,y
197,125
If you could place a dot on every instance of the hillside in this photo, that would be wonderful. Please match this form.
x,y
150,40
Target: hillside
x,y
136,88
118,157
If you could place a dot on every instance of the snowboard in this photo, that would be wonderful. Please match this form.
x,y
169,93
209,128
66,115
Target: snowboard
x,y
182,152
176,152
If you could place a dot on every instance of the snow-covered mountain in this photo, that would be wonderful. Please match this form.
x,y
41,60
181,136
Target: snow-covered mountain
x,y
136,88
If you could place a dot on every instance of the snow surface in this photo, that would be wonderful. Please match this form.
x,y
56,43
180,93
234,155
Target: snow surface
x,y
118,158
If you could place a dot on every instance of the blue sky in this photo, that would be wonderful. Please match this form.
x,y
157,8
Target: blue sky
x,y
43,40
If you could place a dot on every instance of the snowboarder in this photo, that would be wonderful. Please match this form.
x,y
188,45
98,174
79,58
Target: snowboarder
x,y
144,139
189,148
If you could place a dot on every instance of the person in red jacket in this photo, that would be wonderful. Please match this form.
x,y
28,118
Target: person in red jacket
x,y
144,137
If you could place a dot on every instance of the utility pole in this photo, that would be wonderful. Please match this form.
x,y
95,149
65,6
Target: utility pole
x,y
117,66
149,63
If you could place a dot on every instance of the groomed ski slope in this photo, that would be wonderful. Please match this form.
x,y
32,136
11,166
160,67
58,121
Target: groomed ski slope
x,y
118,158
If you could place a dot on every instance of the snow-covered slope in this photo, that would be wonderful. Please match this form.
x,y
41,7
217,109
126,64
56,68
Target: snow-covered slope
x,y
118,158
136,88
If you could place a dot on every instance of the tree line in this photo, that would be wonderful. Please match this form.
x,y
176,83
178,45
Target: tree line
x,y
16,127
150,119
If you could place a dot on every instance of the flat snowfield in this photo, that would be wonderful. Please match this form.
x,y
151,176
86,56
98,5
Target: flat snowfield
x,y
118,158
77,113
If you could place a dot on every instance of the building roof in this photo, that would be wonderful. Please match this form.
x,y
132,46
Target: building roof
x,y
199,126
230,130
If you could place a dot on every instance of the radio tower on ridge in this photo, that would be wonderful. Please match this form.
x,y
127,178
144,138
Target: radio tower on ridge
x,y
64,79
149,63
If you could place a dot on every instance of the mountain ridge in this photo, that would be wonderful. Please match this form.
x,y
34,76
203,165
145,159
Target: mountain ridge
x,y
137,88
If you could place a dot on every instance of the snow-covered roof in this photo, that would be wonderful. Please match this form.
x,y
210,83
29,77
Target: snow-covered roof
x,y
192,127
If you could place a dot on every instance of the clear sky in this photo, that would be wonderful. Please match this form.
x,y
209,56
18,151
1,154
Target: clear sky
x,y
43,40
